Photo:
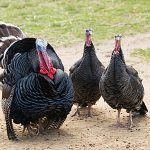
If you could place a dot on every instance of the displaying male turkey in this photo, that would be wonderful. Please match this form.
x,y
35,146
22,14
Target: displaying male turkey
x,y
85,75
9,34
121,86
37,92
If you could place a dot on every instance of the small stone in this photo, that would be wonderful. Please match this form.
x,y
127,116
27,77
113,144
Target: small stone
x,y
46,139
92,145
128,145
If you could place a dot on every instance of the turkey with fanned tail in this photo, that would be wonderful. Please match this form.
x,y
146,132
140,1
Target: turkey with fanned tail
x,y
37,93
8,29
121,87
8,34
85,75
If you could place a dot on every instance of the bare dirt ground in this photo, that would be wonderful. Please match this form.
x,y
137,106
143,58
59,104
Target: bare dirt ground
x,y
98,132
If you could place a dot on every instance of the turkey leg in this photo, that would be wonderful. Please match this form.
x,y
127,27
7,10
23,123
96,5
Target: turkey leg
x,y
89,110
40,127
77,112
118,118
130,120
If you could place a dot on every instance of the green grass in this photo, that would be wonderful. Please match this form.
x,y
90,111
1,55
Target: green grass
x,y
63,21
144,53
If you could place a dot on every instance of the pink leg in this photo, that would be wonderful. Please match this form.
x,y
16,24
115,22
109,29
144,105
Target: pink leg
x,y
77,112
130,120
118,118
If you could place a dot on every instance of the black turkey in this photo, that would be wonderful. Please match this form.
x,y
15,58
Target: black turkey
x,y
85,75
121,86
37,93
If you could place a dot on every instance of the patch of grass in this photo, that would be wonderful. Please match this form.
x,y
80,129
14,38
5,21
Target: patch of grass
x,y
144,53
64,21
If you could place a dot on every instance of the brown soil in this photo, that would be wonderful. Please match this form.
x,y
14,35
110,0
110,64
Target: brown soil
x,y
98,132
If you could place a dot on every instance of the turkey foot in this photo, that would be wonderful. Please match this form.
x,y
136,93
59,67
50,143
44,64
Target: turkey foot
x,y
32,129
118,124
76,113
40,127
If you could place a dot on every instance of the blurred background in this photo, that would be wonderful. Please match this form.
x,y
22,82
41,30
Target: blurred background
x,y
62,22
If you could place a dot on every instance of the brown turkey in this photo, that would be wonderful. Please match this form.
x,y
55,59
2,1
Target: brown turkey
x,y
86,74
9,34
121,86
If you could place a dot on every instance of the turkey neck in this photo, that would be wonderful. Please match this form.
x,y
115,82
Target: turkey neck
x,y
89,50
89,58
118,50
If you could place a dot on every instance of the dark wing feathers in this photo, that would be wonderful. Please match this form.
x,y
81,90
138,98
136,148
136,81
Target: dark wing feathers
x,y
75,66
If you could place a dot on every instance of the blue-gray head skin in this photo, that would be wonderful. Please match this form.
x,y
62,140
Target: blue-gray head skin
x,y
88,33
117,43
41,44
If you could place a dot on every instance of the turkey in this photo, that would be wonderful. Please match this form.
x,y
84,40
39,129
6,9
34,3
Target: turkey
x,y
121,86
9,34
37,93
9,29
85,75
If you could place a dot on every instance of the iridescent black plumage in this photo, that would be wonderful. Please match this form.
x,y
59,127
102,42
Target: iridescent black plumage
x,y
121,86
36,97
85,75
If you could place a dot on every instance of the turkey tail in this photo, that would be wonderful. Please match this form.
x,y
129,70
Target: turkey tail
x,y
143,110
8,29
9,126
5,42
1,57
8,35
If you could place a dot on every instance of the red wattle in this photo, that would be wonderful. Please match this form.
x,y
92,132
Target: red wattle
x,y
46,66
